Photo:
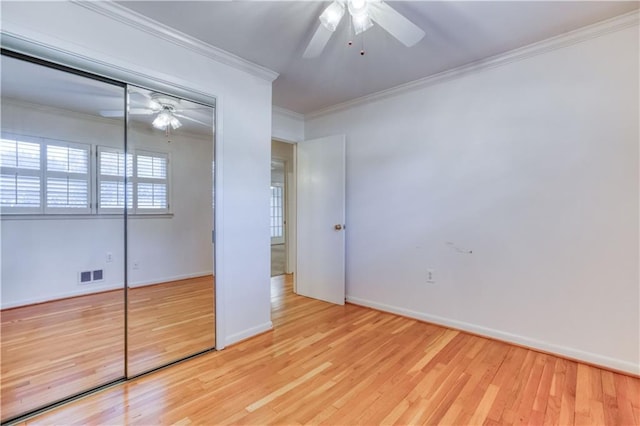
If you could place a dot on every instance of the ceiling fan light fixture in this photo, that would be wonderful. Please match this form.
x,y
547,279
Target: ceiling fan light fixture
x,y
359,11
332,15
361,23
165,119
358,7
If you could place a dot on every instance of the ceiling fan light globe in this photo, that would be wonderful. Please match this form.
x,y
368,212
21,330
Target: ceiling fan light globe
x,y
358,7
361,23
175,123
332,15
162,120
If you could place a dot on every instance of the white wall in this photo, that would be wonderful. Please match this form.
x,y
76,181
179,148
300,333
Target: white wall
x,y
243,136
42,256
531,166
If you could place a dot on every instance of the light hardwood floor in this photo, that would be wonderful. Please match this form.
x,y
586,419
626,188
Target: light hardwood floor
x,y
56,349
169,321
278,260
350,365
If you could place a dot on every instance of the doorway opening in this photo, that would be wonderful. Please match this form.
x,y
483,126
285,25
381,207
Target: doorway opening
x,y
282,200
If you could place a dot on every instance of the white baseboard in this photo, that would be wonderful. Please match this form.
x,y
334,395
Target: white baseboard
x,y
564,351
250,332
167,279
95,288
81,291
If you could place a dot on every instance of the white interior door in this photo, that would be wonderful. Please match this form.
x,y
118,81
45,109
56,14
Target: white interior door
x,y
321,219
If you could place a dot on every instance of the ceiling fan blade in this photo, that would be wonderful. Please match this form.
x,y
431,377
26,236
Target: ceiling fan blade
x,y
194,120
139,95
318,42
120,113
194,108
112,113
141,111
395,24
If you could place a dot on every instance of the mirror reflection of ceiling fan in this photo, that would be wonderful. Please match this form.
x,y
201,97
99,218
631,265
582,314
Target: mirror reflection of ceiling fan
x,y
167,110
363,13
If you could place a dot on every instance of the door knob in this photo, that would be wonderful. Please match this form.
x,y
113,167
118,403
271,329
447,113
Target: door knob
x,y
338,227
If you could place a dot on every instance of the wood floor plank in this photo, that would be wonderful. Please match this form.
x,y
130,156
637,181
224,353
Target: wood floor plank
x,y
343,365
568,403
609,397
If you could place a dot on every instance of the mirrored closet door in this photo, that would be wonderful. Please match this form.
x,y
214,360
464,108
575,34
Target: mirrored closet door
x,y
170,302
106,220
63,301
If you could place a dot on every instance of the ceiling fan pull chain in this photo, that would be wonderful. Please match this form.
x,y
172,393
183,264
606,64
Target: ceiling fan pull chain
x,y
350,33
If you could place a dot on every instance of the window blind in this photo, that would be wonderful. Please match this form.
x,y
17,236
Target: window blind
x,y
152,185
147,183
112,164
20,176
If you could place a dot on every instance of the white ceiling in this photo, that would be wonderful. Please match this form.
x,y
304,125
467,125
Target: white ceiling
x,y
275,34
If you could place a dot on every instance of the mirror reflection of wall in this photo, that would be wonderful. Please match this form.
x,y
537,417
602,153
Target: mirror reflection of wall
x,y
62,262
170,270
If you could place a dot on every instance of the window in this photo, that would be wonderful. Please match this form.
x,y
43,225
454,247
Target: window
x,y
147,188
67,178
111,173
44,176
151,182
277,218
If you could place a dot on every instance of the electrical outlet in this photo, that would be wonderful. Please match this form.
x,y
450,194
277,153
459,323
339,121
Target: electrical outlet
x,y
109,257
431,276
136,265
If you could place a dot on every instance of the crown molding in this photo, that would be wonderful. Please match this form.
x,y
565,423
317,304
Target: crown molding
x,y
570,38
287,113
138,21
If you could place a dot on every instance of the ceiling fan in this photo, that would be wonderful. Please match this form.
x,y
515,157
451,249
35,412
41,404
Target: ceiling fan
x,y
167,110
363,14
